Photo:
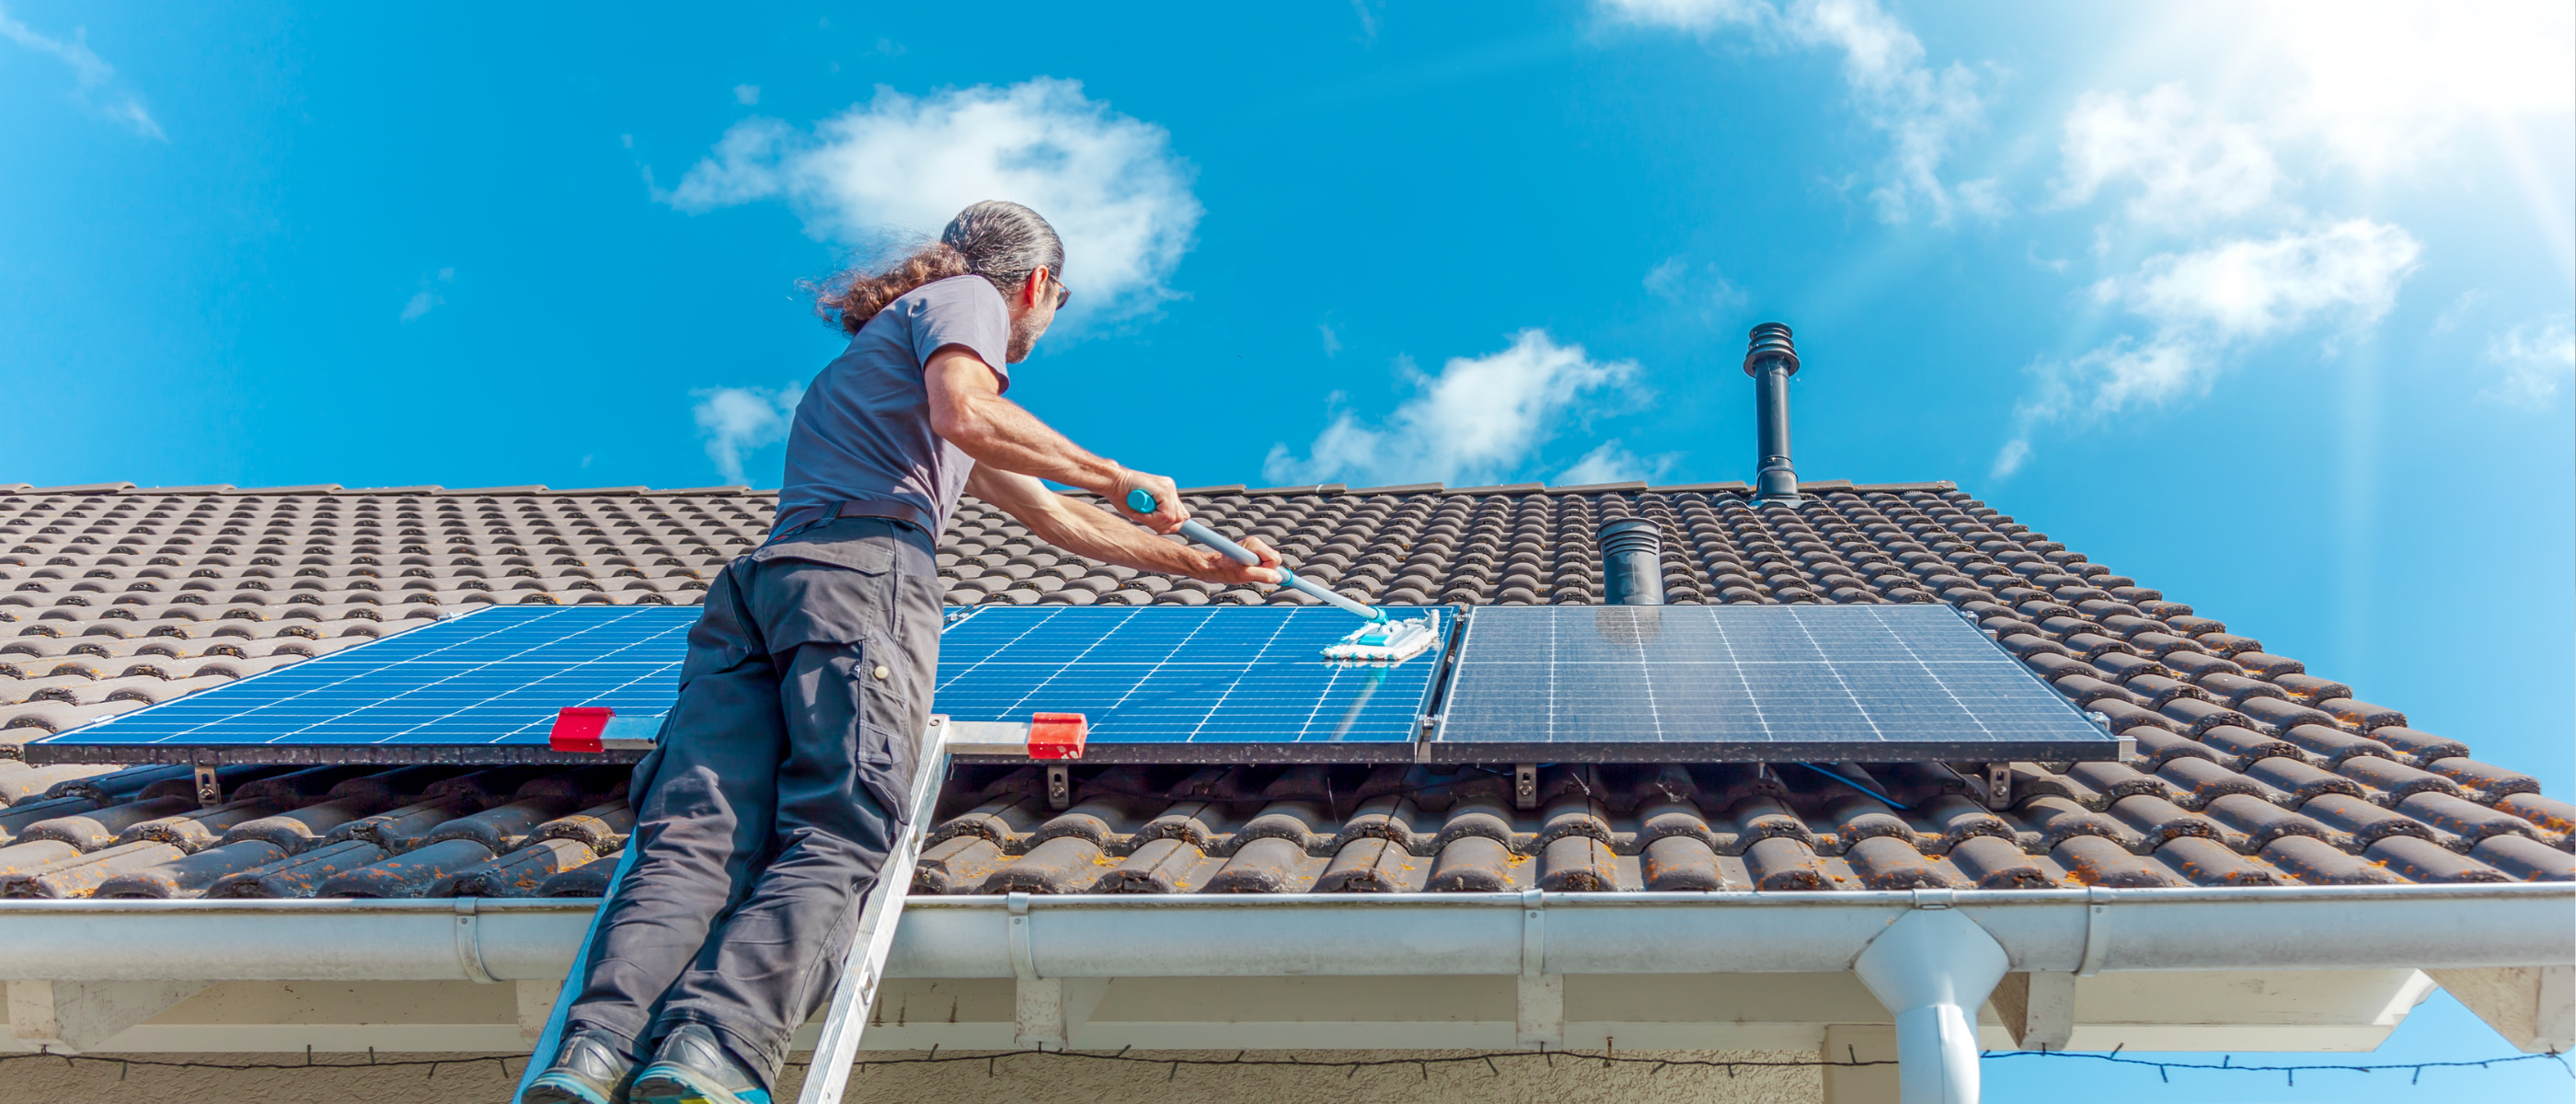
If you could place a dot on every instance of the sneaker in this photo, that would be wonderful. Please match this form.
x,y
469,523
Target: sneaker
x,y
693,1067
590,1069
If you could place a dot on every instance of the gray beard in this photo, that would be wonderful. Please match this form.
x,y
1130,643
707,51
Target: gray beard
x,y
1024,337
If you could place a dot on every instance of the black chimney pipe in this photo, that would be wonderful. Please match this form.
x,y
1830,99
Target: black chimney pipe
x,y
1771,361
1632,562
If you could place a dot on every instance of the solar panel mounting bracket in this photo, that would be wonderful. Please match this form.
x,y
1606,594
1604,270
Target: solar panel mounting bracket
x,y
1990,782
210,789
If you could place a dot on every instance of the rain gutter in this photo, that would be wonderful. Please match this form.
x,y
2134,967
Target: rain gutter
x,y
1931,956
2080,931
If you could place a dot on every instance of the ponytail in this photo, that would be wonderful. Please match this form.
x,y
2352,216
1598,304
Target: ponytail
x,y
1002,242
853,297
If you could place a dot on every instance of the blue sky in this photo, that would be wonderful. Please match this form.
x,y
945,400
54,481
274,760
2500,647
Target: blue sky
x,y
2267,307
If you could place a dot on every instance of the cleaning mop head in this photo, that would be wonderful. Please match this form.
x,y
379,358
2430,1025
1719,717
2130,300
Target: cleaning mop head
x,y
1388,641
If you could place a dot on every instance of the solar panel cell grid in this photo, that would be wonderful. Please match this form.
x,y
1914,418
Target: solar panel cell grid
x,y
1224,684
492,678
1862,682
1236,683
1161,680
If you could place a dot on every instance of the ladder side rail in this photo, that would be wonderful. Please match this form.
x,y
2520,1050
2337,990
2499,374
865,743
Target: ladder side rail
x,y
550,1041
827,1075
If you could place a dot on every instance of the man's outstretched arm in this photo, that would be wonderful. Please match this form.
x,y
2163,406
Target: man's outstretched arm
x,y
1082,529
967,409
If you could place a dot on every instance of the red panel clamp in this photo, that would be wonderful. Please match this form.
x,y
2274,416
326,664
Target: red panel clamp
x,y
579,727
1057,735
596,728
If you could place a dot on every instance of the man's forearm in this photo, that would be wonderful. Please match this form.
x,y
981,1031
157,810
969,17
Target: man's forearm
x,y
1088,532
1078,527
999,432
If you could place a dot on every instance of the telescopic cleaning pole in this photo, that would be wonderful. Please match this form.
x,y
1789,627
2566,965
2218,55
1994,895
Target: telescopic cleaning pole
x,y
1142,501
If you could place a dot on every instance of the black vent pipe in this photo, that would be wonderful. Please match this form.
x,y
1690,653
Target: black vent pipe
x,y
1632,563
1771,361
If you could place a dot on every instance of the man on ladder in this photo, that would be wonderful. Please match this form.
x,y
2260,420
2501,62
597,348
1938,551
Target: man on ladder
x,y
782,776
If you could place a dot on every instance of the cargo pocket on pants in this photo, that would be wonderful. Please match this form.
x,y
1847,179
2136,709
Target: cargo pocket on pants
x,y
886,768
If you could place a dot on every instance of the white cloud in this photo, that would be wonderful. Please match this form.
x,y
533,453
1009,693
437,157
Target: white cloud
x,y
2458,311
2252,289
1702,289
1332,341
2336,93
1921,110
2537,358
94,81
1368,11
1611,463
2188,165
2383,84
1479,419
2340,87
2010,459
1689,15
746,94
899,164
2208,302
737,420
427,298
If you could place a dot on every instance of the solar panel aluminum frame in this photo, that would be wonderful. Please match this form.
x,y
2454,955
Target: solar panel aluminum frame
x,y
2083,738
321,755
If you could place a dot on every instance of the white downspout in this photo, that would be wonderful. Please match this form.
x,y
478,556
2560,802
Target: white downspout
x,y
1933,968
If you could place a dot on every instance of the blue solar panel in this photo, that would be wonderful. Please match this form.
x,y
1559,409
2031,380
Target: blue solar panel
x,y
492,679
1181,683
1156,682
1871,683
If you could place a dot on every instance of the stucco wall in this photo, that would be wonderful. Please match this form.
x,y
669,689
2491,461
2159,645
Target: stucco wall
x,y
1021,1079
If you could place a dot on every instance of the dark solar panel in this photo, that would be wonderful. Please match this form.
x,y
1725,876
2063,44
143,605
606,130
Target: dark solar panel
x,y
480,688
1187,684
1872,683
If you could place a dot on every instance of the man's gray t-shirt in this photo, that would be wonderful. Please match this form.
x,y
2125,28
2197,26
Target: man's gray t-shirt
x,y
863,429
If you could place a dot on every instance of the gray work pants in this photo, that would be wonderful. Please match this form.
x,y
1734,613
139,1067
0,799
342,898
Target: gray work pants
x,y
781,778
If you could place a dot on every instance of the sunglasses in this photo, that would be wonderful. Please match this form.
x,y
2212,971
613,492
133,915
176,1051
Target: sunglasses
x,y
1063,294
